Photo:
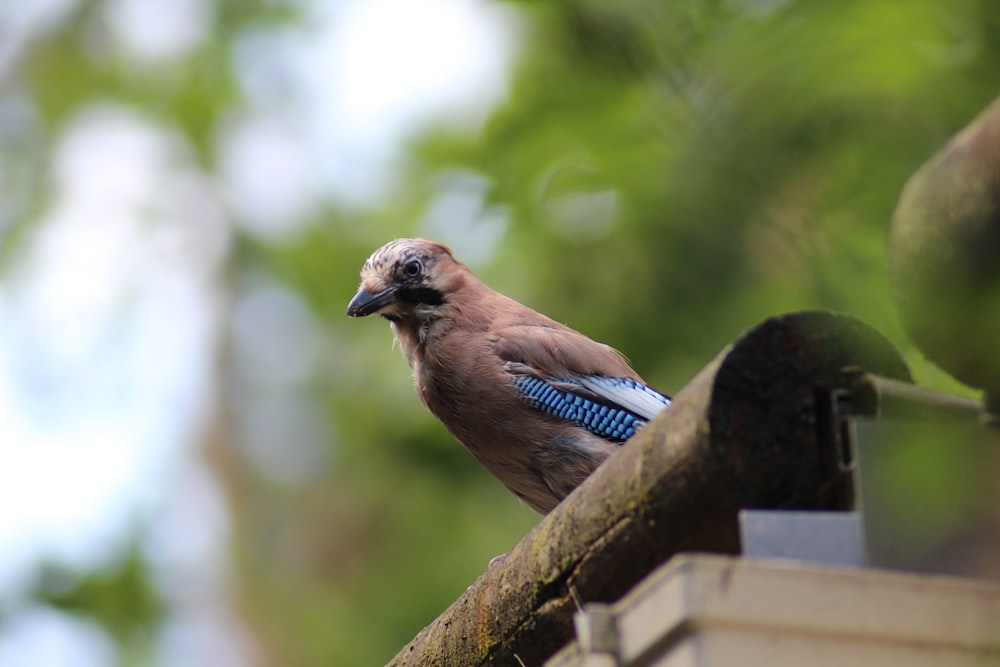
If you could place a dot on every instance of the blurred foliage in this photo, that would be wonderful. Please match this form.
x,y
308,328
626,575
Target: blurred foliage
x,y
122,599
670,173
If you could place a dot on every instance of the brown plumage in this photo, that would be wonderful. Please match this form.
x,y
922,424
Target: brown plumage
x,y
468,346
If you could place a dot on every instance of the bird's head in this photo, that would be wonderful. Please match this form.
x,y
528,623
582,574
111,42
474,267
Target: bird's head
x,y
405,277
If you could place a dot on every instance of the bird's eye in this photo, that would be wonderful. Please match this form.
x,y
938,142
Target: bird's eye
x,y
412,269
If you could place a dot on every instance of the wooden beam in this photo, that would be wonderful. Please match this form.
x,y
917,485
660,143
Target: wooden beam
x,y
743,434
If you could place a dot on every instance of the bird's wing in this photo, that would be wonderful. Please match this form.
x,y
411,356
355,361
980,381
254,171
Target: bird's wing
x,y
630,394
556,350
566,374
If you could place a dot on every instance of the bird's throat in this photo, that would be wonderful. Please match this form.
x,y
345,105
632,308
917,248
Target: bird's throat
x,y
421,296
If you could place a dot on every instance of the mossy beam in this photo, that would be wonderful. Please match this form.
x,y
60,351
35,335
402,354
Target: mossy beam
x,y
744,433
943,249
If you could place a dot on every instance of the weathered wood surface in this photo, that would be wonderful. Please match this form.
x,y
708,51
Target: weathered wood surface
x,y
743,433
944,255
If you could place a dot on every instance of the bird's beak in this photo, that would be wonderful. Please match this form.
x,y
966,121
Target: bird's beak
x,y
366,303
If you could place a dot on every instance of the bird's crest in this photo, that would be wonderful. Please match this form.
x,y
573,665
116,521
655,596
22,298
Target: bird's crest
x,y
390,261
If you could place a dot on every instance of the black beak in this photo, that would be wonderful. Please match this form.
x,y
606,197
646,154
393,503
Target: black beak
x,y
366,303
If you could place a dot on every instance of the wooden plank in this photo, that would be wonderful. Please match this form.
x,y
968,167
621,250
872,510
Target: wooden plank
x,y
743,433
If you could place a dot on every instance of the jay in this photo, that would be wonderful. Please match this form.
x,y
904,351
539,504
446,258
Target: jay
x,y
538,404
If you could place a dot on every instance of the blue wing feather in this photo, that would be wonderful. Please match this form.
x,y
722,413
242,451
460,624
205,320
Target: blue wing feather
x,y
612,408
637,398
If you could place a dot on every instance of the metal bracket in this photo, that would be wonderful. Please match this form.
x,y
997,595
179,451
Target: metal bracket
x,y
833,538
597,635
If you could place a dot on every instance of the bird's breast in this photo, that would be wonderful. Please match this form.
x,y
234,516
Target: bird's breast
x,y
459,379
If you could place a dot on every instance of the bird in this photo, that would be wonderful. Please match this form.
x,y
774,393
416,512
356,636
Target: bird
x,y
538,404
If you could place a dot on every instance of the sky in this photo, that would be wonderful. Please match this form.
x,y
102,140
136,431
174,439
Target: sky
x,y
110,320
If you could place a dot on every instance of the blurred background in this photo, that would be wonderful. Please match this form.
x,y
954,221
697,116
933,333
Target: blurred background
x,y
203,461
